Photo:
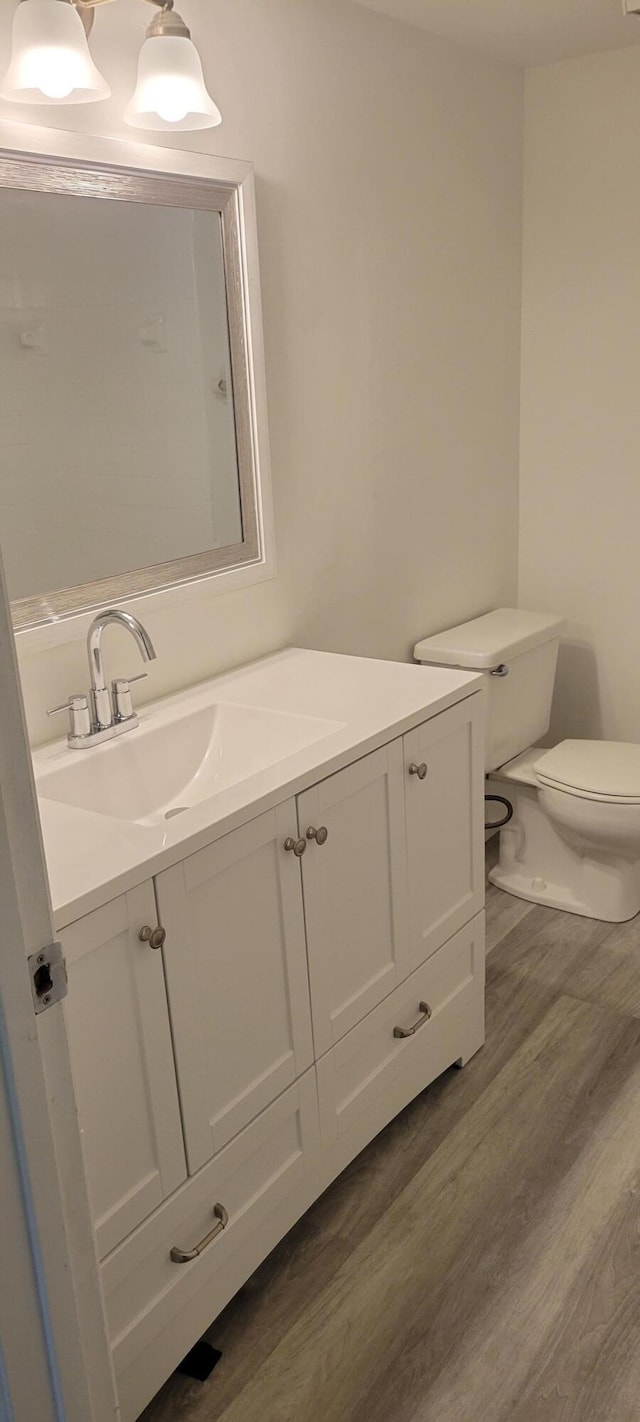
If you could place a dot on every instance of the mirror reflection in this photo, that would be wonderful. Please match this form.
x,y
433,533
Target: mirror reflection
x,y
117,428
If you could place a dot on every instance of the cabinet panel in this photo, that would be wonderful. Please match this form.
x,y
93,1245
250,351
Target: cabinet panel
x,y
121,1056
445,826
237,978
355,891
372,1073
156,1307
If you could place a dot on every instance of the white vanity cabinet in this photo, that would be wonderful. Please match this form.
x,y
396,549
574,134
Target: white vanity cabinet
x,y
323,963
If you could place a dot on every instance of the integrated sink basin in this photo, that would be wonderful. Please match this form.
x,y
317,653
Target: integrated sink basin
x,y
207,760
163,769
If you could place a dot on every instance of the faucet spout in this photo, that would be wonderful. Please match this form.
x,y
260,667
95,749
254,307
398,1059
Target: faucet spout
x,y
101,696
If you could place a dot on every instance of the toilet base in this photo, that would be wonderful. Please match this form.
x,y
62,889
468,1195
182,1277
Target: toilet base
x,y
538,891
537,864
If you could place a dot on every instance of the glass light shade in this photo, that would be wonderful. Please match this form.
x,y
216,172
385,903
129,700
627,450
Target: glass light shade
x,y
50,59
171,92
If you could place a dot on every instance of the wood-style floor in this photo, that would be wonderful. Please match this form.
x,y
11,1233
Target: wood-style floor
x,y
480,1262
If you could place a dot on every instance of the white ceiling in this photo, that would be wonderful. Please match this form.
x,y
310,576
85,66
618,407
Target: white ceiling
x,y
525,32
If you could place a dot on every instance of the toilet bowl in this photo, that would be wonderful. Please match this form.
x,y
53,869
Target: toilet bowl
x,y
573,841
568,846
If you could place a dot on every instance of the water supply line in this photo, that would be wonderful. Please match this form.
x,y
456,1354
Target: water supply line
x,y
499,800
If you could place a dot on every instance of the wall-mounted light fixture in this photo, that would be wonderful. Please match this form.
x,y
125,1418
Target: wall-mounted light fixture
x,y
51,64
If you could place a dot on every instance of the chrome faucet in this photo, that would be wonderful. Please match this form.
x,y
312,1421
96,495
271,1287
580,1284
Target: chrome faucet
x,y
105,712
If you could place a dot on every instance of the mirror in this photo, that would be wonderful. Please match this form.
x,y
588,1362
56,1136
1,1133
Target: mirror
x,y
128,445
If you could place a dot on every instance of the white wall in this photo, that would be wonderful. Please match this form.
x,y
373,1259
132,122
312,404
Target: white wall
x,y
580,474
389,200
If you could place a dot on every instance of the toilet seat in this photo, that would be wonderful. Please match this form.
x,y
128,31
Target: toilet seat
x,y
607,771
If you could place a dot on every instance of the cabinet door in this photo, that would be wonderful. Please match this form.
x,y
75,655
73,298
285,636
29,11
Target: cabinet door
x,y
355,891
237,978
445,825
122,1061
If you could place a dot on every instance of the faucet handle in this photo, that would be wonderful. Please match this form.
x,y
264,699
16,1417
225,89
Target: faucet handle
x,y
79,714
122,703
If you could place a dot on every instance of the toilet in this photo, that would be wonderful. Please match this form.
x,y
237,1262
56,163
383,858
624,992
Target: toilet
x,y
573,842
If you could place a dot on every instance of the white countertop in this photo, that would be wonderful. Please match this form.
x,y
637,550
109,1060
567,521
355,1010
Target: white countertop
x,y
91,857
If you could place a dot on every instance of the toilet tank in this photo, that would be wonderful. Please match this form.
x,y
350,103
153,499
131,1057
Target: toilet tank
x,y
517,653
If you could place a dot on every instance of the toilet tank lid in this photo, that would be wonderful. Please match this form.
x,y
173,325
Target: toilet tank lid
x,y
490,640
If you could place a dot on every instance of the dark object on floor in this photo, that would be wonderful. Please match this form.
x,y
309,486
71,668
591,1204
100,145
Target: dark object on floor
x,y
200,1362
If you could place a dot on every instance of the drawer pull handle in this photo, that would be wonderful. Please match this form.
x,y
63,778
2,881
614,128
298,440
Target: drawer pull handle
x,y
320,835
155,937
185,1256
425,1013
419,770
297,846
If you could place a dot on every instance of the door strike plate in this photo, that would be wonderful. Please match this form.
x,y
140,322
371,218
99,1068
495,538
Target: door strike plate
x,y
48,973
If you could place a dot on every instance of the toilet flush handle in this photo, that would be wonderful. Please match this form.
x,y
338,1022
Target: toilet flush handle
x,y
502,670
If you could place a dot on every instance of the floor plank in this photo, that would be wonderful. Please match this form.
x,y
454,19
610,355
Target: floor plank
x,y
590,1363
597,962
480,1262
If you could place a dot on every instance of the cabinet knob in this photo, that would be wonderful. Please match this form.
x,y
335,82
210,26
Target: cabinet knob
x,y
320,835
419,770
155,937
295,846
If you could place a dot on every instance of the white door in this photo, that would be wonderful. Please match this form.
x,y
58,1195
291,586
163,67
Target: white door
x,y
444,773
236,972
355,890
54,1356
27,1374
122,1062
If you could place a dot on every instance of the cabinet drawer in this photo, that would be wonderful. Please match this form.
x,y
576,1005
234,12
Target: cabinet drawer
x,y
147,1293
371,1074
